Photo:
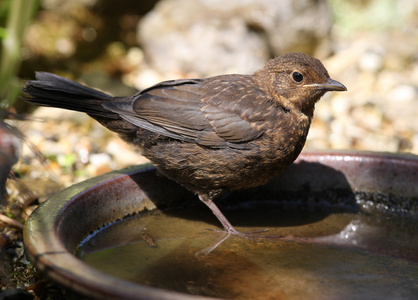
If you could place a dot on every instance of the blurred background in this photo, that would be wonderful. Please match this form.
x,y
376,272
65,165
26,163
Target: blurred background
x,y
121,46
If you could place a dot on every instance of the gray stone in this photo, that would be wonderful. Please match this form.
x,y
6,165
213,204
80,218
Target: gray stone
x,y
210,37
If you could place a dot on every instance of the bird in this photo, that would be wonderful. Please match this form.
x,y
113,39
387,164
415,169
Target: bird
x,y
212,135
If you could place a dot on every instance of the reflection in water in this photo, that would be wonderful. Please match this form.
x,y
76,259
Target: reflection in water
x,y
349,256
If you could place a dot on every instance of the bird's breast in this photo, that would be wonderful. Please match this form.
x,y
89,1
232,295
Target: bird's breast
x,y
282,144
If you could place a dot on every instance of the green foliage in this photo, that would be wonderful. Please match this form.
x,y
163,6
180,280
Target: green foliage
x,y
4,9
353,16
16,15
3,33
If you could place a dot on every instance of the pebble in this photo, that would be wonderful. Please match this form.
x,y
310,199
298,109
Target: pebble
x,y
371,62
124,154
403,93
98,159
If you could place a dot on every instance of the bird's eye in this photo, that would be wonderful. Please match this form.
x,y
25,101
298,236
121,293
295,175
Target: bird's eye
x,y
297,76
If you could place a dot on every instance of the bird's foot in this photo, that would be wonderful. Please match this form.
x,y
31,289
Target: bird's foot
x,y
249,234
228,232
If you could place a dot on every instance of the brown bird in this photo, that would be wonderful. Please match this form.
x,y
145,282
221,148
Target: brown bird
x,y
210,135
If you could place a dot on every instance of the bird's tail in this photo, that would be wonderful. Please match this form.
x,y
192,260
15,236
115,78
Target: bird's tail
x,y
56,91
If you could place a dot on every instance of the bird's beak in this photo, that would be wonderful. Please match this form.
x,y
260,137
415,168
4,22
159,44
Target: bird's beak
x,y
331,85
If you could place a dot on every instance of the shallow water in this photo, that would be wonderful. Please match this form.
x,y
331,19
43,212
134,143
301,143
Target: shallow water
x,y
350,255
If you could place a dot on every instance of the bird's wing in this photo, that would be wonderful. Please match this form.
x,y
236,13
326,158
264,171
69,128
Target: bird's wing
x,y
212,112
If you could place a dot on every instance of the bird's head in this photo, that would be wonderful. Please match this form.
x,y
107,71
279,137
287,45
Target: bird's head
x,y
298,81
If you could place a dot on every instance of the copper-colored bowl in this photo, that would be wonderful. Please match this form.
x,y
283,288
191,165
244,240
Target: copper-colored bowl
x,y
55,230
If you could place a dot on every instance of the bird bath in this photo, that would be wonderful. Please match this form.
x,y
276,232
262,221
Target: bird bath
x,y
132,234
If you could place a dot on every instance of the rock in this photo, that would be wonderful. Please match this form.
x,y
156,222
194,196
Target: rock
x,y
99,159
124,154
214,37
371,61
44,113
404,93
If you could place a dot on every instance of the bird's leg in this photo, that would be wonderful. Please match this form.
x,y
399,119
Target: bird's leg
x,y
216,211
230,230
224,221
